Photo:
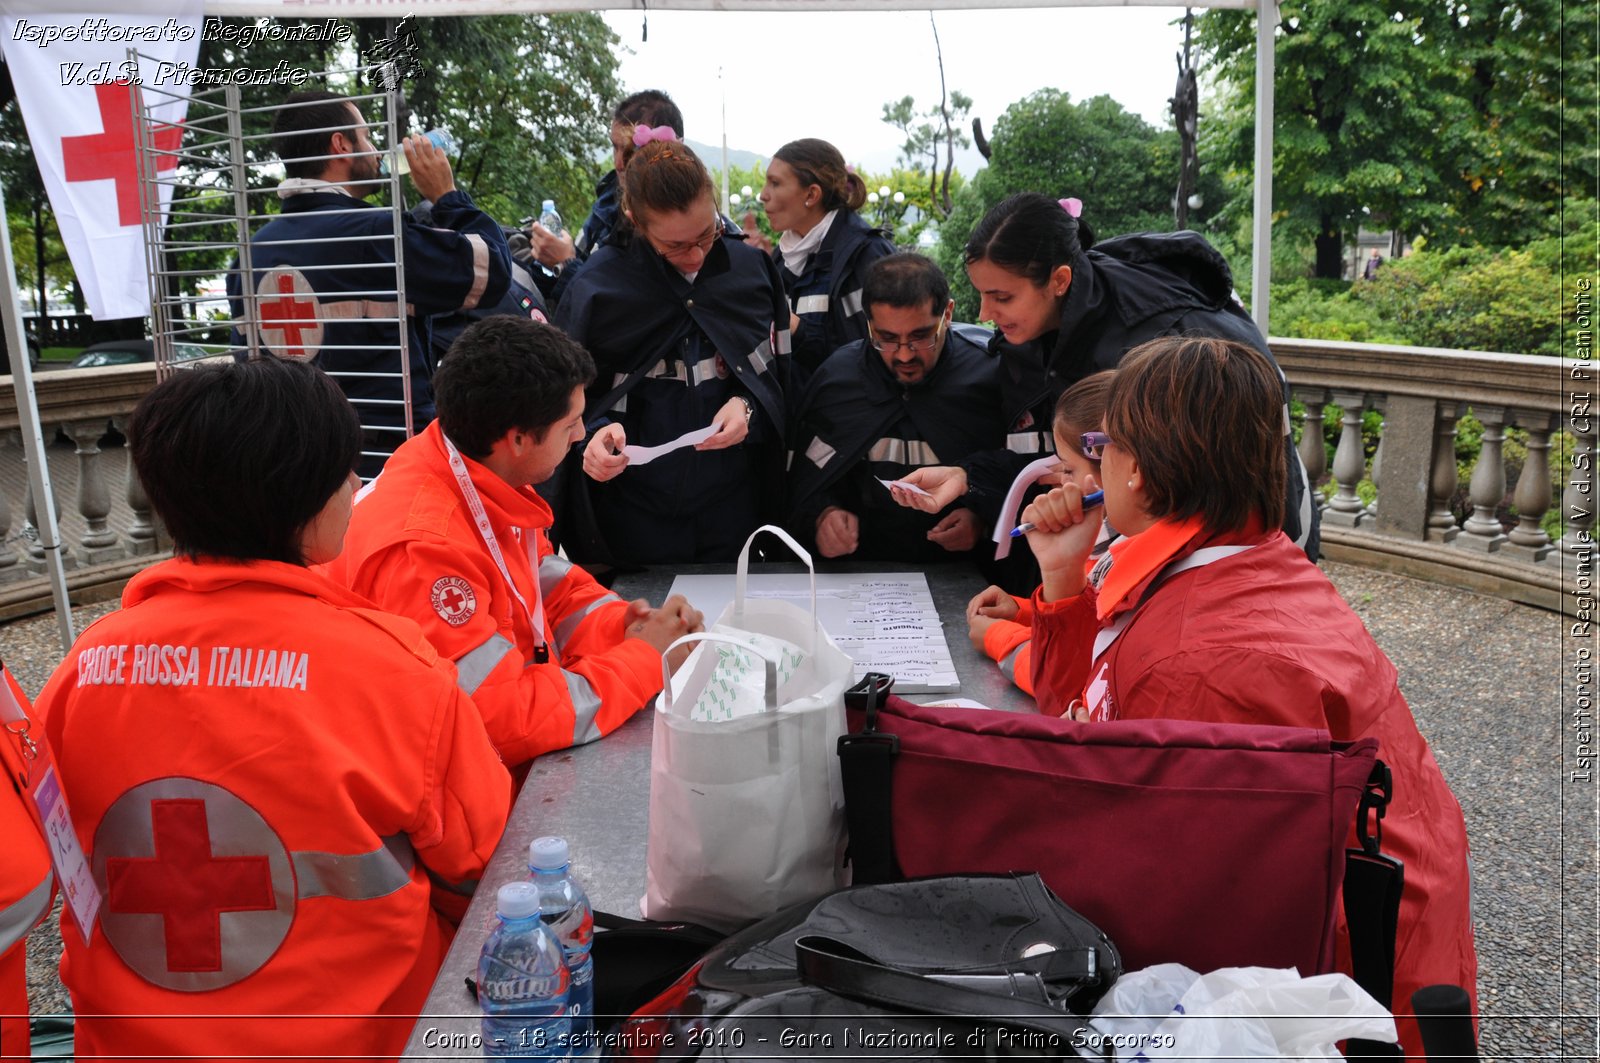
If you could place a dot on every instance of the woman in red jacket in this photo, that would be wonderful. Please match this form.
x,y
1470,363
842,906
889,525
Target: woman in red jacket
x,y
1206,611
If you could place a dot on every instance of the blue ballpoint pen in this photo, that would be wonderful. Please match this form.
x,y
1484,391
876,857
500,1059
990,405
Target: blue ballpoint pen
x,y
1090,500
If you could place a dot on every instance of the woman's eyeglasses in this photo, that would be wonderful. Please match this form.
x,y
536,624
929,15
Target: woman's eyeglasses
x,y
703,244
1093,444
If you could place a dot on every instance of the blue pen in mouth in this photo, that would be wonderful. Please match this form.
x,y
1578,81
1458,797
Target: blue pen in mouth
x,y
1090,500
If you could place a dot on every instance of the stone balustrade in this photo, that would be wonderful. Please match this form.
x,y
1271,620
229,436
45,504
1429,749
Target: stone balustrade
x,y
1421,393
107,527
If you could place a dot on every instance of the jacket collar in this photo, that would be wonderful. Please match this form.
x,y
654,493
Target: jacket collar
x,y
507,506
216,574
1126,570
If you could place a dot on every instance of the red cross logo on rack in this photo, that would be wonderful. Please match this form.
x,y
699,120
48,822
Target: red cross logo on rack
x,y
110,154
288,307
188,886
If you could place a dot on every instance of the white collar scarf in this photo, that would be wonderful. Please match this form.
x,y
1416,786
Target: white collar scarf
x,y
797,250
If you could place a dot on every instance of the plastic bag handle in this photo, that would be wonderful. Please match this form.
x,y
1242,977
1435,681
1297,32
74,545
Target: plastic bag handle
x,y
771,691
742,572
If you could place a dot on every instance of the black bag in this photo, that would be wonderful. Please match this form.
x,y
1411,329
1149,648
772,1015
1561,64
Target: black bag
x,y
932,968
635,959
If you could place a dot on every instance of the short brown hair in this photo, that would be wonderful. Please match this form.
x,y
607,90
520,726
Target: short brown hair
x,y
1204,418
1082,407
662,177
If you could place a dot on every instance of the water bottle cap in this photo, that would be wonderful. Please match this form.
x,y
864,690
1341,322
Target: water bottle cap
x,y
548,207
517,900
548,853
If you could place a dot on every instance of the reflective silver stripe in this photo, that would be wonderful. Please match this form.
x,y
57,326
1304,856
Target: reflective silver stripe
x,y
1026,442
585,708
1008,663
474,666
360,877
784,340
569,624
820,453
761,357
812,304
21,917
480,270
903,452
691,375
850,303
362,309
552,570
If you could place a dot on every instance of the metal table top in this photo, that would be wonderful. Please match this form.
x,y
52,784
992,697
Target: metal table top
x,y
598,797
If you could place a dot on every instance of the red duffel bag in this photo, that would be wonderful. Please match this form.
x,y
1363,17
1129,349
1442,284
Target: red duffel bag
x,y
1207,844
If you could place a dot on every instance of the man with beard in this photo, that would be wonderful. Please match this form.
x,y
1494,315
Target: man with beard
x,y
917,391
324,268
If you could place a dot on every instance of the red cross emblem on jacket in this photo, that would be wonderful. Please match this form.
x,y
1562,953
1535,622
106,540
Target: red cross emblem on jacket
x,y
199,889
291,326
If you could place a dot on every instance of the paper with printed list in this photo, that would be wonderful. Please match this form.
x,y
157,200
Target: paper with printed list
x,y
885,621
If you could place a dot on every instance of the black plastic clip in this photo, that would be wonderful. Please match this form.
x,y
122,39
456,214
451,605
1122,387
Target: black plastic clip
x,y
1374,806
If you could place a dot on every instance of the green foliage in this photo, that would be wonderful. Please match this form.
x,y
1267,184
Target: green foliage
x,y
928,134
1122,168
1326,310
1469,298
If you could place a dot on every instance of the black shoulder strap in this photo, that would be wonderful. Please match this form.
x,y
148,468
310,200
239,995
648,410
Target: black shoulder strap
x,y
1372,887
837,967
866,768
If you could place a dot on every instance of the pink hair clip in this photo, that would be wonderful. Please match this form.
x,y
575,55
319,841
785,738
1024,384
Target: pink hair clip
x,y
1072,206
849,169
643,134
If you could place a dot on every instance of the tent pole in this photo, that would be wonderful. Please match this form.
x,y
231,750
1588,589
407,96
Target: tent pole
x,y
44,502
1261,264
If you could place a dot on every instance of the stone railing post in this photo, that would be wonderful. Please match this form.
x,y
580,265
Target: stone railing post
x,y
8,556
1482,530
1313,451
1369,513
1578,499
141,529
1444,477
1528,540
1349,463
1403,460
99,542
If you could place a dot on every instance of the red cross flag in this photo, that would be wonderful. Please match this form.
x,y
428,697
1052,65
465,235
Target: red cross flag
x,y
75,82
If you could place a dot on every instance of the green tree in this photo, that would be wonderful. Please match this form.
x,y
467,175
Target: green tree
x,y
927,133
1118,164
1356,136
1524,133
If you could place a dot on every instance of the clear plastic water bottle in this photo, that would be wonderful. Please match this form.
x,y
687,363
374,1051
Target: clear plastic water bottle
x,y
522,982
439,138
565,909
550,218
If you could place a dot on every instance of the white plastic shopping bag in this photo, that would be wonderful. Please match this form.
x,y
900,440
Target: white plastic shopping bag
x,y
1170,1012
746,803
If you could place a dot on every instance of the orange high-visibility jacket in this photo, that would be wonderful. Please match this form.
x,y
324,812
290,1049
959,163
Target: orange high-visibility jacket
x,y
264,772
414,549
27,885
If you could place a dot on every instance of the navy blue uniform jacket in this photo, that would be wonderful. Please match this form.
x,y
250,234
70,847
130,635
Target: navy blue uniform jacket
x,y
670,353
856,424
827,296
1125,291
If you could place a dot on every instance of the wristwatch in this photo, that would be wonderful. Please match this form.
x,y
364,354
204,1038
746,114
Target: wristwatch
x,y
749,408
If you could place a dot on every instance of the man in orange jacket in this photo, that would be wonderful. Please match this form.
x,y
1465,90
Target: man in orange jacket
x,y
453,535
27,886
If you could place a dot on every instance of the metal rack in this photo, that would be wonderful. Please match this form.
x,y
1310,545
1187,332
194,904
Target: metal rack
x,y
210,184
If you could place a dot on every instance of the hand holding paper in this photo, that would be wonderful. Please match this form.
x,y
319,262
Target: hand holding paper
x,y
936,487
